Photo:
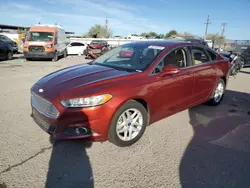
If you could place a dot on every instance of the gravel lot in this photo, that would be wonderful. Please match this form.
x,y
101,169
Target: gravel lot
x,y
200,147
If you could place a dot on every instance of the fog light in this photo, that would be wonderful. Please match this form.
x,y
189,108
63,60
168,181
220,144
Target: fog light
x,y
81,131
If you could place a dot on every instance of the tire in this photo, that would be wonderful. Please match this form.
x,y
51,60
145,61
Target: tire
x,y
214,101
9,55
65,54
55,58
135,130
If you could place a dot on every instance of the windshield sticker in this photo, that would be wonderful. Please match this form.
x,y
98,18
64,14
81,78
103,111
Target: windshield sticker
x,y
157,47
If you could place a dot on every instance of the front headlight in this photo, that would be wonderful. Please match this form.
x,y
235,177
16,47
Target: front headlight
x,y
87,102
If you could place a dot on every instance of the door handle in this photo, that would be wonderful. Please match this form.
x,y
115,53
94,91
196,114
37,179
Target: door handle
x,y
189,72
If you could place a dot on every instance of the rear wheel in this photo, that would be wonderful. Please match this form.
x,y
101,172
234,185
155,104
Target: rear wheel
x,y
9,55
218,93
128,124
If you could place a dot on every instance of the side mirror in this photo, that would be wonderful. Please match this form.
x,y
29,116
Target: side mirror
x,y
69,45
170,69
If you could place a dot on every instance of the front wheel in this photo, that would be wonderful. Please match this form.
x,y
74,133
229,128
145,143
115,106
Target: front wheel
x,y
218,93
128,124
65,54
55,58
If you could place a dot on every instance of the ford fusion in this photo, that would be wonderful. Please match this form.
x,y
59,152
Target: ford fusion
x,y
118,95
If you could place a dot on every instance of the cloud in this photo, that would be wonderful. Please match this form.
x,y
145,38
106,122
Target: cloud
x,y
80,15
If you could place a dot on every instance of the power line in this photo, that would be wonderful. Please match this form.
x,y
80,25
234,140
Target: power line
x,y
207,23
223,29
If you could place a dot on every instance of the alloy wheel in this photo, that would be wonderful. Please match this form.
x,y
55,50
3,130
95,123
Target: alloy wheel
x,y
219,91
129,124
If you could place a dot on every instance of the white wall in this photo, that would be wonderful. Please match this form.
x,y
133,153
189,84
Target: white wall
x,y
111,42
12,36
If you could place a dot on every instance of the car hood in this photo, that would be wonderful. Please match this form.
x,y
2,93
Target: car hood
x,y
95,46
78,76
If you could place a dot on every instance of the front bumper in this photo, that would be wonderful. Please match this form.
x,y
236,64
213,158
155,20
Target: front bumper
x,y
28,54
66,128
95,120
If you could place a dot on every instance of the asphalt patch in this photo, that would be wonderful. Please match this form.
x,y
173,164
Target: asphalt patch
x,y
232,111
235,105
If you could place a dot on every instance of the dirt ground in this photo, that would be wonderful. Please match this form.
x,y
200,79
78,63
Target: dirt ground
x,y
199,147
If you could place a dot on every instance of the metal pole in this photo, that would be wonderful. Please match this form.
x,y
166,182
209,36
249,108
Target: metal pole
x,y
207,23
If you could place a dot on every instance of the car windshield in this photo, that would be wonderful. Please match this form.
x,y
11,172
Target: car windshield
x,y
96,42
130,57
40,36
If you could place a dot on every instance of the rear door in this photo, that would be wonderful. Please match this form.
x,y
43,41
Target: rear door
x,y
204,71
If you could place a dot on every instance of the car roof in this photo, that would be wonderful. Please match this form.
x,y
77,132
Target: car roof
x,y
165,43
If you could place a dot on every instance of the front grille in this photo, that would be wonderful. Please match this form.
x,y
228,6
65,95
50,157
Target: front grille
x,y
96,51
36,49
43,106
43,124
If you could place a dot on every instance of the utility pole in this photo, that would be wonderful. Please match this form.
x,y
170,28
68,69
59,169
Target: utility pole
x,y
207,23
223,29
106,24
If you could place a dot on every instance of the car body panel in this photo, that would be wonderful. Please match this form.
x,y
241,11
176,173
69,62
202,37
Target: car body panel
x,y
75,48
5,47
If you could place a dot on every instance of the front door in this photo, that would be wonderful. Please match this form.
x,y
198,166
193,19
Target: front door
x,y
174,92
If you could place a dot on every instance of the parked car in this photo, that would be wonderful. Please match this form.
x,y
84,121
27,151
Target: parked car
x,y
96,48
12,43
6,50
134,37
242,50
45,41
117,37
76,48
119,94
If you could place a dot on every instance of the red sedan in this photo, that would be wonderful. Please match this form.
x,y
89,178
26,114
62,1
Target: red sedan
x,y
118,95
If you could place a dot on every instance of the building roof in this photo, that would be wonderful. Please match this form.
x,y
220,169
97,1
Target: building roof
x,y
2,26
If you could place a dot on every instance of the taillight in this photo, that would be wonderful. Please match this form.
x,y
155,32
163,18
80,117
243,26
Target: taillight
x,y
25,45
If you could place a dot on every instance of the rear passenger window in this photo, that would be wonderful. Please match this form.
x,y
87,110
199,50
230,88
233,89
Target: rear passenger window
x,y
212,55
77,44
199,56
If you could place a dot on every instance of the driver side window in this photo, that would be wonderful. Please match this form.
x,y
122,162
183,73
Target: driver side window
x,y
177,57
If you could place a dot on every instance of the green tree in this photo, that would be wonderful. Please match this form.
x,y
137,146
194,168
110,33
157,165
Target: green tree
x,y
98,31
143,34
152,34
171,33
187,34
85,35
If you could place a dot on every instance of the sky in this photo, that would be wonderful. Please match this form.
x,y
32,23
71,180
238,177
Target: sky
x,y
133,16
